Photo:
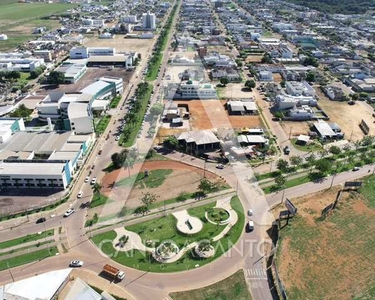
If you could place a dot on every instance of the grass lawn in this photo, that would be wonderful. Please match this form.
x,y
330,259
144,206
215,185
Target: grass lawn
x,y
27,258
116,100
26,239
263,176
25,248
368,190
164,229
231,288
155,178
97,200
103,123
315,255
311,147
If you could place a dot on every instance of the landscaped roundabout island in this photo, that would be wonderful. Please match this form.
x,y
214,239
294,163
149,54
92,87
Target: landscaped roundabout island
x,y
177,242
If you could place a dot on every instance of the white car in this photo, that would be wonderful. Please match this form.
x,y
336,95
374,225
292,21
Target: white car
x,y
93,181
69,212
87,179
250,212
219,166
76,263
117,138
80,194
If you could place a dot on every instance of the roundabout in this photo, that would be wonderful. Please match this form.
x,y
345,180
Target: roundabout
x,y
178,242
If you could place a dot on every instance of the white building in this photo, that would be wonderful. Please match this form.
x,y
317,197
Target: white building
x,y
86,52
20,64
72,71
106,35
304,112
218,60
287,102
94,23
265,76
296,88
149,21
195,90
132,19
8,126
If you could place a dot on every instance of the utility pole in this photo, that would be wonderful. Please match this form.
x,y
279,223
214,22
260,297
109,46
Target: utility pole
x,y
282,198
11,275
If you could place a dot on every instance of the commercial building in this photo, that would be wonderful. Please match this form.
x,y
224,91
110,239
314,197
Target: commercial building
x,y
8,126
242,107
286,102
72,71
194,90
149,21
20,64
296,88
41,159
86,52
131,19
199,141
75,109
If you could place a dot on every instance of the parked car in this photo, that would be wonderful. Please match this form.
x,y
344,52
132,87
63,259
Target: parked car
x,y
250,212
356,169
117,138
93,181
40,220
80,194
100,152
76,263
69,212
87,179
220,166
286,150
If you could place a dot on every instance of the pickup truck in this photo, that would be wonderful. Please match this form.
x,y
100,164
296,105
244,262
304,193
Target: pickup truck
x,y
113,272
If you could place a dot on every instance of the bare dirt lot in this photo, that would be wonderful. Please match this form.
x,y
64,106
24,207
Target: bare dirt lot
x,y
235,91
90,77
122,44
253,59
184,178
347,116
329,258
208,114
295,128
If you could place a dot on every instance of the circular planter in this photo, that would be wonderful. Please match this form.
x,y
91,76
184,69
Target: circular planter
x,y
222,216
206,253
166,250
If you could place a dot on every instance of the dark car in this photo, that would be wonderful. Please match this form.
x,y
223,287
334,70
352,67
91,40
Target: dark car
x,y
40,220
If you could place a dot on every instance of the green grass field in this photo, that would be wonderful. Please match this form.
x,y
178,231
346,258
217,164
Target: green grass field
x,y
27,258
231,288
312,147
18,20
164,229
102,124
26,239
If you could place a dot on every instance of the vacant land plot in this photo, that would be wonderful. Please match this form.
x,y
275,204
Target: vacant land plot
x,y
233,287
295,128
330,258
236,91
208,114
347,116
123,44
167,180
18,20
253,59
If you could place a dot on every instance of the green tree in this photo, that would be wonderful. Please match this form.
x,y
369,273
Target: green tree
x,y
311,61
21,112
334,150
157,109
282,165
56,77
310,77
118,159
148,198
311,160
280,181
250,84
171,142
323,166
96,188
296,161
354,96
206,186
224,81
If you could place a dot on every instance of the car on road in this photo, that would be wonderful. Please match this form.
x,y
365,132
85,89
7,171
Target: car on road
x,y
250,225
76,263
286,150
250,212
80,194
356,169
100,152
117,138
69,212
93,181
87,179
220,166
40,220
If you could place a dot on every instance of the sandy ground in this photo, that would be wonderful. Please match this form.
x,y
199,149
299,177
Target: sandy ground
x,y
236,90
295,128
184,178
208,114
333,255
347,116
254,59
122,44
277,77
175,71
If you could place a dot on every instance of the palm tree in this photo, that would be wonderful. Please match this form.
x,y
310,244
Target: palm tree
x,y
96,188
